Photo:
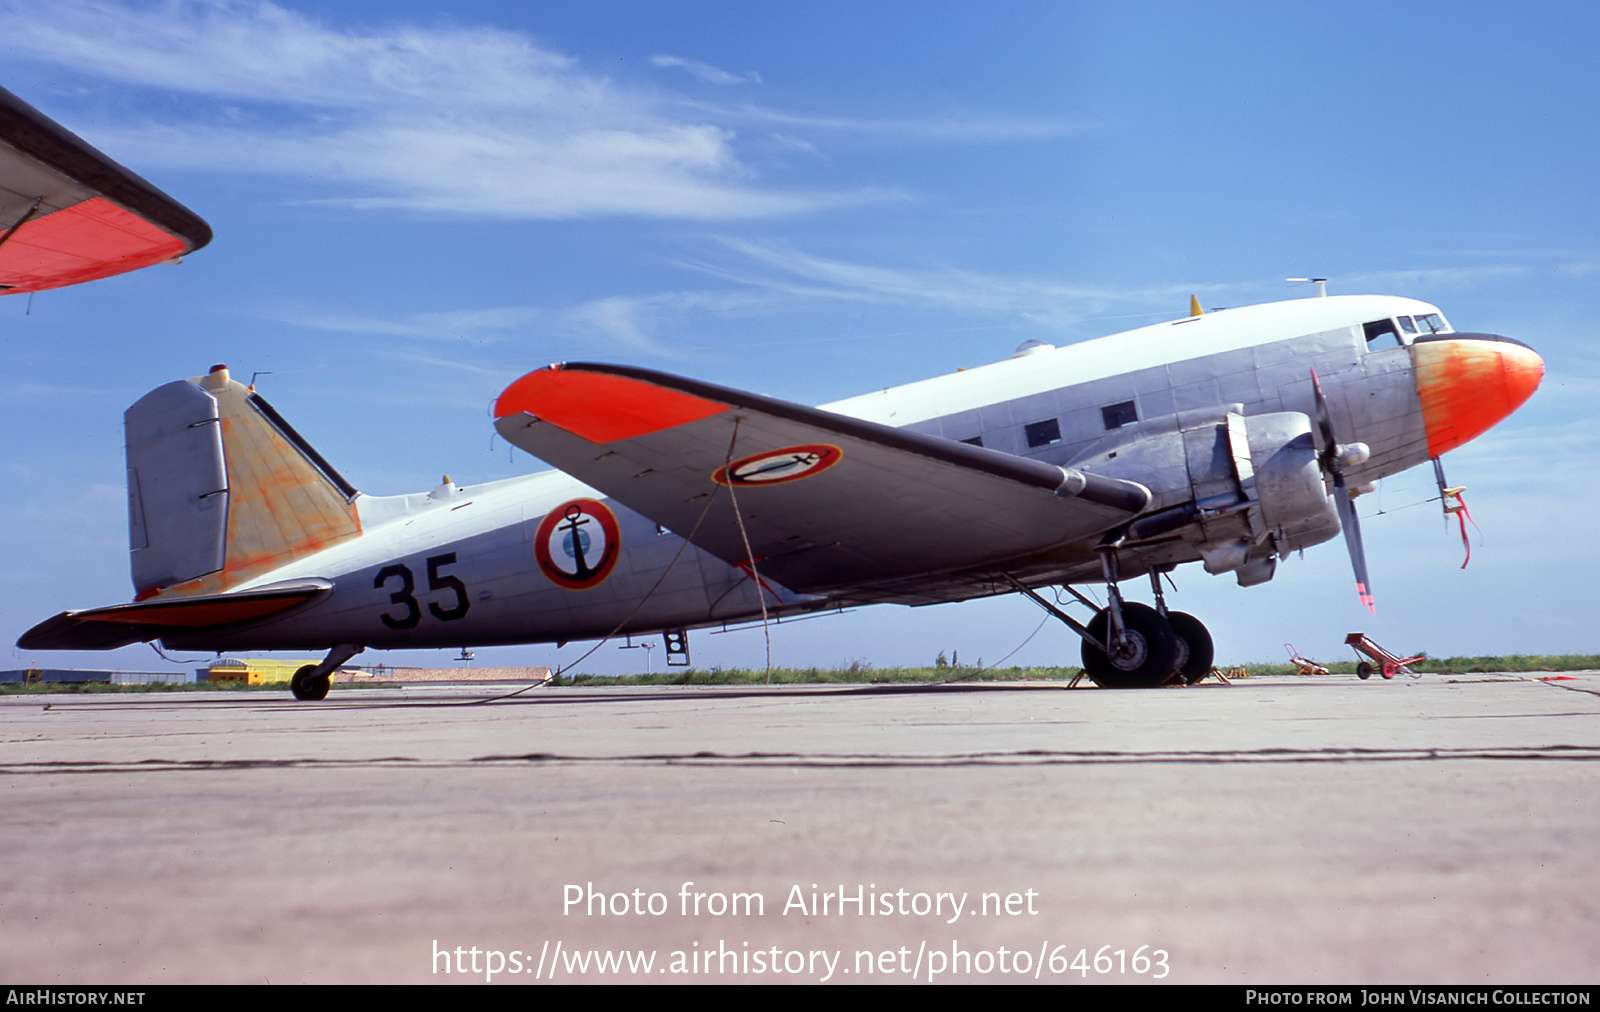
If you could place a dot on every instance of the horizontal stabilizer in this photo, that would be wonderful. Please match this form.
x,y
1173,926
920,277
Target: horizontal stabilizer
x,y
827,501
122,624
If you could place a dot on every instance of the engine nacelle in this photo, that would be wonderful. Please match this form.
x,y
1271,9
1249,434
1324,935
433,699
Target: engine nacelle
x,y
1236,491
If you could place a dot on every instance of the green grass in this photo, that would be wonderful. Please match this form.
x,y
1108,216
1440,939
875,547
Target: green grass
x,y
855,674
862,674
42,688
866,674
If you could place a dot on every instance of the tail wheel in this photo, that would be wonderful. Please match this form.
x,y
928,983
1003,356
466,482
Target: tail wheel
x,y
305,687
1196,653
1142,659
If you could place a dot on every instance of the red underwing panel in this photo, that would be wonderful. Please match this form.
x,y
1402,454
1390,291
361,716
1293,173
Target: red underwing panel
x,y
198,614
84,242
602,408
69,214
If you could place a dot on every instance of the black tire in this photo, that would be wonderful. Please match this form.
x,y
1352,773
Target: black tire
x,y
1363,671
307,688
1149,662
1197,653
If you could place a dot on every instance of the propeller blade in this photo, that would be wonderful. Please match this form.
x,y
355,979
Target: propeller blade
x,y
1349,522
1324,423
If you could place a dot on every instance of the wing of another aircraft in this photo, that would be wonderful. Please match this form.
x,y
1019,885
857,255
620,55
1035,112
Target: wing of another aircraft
x,y
70,214
828,502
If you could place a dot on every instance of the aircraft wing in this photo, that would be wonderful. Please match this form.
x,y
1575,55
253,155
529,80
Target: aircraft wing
x,y
70,214
828,502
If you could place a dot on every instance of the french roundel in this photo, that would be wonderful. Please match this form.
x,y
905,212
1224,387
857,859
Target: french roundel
x,y
774,467
577,544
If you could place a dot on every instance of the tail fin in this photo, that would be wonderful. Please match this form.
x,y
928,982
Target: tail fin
x,y
221,489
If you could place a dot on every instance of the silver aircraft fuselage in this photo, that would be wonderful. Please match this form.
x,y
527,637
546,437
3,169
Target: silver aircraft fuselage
x,y
457,566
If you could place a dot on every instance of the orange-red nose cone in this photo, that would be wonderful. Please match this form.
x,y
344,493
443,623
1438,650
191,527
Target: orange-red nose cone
x,y
1468,382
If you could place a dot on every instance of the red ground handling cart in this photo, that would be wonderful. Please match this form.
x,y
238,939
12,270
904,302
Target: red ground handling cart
x,y
1388,664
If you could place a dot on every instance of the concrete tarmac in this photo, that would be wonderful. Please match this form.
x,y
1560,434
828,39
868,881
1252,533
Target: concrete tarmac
x,y
1279,830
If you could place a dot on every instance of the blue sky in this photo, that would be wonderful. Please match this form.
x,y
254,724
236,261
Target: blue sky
x,y
414,205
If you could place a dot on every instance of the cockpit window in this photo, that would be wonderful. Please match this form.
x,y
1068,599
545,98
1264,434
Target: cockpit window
x,y
1406,324
1433,323
1376,331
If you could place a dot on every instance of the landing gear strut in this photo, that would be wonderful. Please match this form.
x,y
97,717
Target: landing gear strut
x,y
1142,656
1195,649
1134,646
312,681
1139,649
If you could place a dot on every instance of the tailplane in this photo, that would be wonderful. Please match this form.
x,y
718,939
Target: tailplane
x,y
221,489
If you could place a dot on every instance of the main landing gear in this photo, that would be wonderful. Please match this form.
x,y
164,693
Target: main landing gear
x,y
1152,647
1143,656
1128,645
312,681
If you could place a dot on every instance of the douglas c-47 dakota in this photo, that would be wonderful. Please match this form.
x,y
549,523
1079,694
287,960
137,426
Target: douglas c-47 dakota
x,y
1230,439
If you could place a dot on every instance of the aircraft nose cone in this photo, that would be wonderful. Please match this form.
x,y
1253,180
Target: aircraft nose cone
x,y
1468,382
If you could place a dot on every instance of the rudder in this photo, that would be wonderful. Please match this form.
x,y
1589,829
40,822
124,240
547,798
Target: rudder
x,y
221,489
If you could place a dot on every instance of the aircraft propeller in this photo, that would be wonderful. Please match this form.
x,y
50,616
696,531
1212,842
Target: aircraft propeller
x,y
1334,459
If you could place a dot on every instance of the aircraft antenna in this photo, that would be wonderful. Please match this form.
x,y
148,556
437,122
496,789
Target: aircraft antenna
x,y
1321,283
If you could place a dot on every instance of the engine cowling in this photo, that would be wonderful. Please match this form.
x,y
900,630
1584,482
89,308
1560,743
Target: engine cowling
x,y
1232,490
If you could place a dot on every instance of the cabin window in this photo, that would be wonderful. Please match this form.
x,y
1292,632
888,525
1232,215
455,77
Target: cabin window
x,y
1382,334
974,441
1406,324
1042,433
1115,416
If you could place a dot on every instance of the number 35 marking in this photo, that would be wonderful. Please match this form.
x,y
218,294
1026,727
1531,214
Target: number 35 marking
x,y
408,584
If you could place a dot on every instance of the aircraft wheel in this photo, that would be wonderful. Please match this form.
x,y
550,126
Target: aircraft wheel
x,y
1143,660
1363,671
1196,651
307,688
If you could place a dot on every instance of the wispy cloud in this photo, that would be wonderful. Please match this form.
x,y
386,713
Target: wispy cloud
x,y
763,279
782,268
980,129
445,119
656,323
619,319
475,324
648,324
705,71
1467,274
768,279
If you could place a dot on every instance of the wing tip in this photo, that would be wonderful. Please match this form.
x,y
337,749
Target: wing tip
x,y
601,406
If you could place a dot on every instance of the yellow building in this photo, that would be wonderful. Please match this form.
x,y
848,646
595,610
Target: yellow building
x,y
253,671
